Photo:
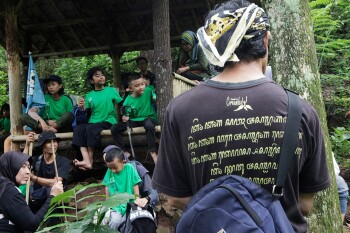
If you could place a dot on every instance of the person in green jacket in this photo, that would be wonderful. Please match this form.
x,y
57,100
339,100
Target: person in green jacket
x,y
57,115
5,125
192,62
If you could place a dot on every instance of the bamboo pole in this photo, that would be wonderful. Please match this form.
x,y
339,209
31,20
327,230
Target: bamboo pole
x,y
54,160
56,172
30,153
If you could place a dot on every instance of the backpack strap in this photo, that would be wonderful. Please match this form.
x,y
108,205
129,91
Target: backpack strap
x,y
289,143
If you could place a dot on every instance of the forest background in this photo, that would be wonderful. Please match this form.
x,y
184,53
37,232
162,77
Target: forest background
x,y
331,23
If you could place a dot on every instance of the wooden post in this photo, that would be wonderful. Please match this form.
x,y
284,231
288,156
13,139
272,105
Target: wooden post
x,y
13,63
162,55
116,73
25,62
116,69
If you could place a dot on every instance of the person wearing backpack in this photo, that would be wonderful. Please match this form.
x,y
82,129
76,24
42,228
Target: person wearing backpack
x,y
147,193
240,128
119,178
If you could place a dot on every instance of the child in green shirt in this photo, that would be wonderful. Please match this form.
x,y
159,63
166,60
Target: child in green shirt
x,y
101,101
120,178
138,111
57,115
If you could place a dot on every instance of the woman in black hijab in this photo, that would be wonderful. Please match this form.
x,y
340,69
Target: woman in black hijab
x,y
15,215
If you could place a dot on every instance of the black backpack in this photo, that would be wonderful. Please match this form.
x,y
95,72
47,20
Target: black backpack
x,y
139,220
80,116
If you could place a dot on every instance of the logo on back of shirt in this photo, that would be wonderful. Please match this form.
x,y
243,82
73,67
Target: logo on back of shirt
x,y
240,102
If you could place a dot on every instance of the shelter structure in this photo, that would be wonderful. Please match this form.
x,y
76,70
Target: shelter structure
x,y
71,28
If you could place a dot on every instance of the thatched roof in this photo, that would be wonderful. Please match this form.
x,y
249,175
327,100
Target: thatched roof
x,y
65,28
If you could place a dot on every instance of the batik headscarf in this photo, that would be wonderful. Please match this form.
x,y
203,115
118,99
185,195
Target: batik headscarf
x,y
190,38
10,164
224,31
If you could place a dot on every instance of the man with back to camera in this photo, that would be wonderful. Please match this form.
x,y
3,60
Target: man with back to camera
x,y
239,129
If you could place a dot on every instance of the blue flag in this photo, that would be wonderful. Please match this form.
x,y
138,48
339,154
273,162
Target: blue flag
x,y
35,95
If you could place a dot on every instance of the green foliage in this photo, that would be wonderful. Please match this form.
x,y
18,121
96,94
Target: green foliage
x,y
331,23
341,145
336,96
332,37
3,78
74,70
93,213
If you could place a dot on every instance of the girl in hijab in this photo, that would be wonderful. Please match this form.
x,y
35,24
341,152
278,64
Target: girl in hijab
x,y
15,214
192,62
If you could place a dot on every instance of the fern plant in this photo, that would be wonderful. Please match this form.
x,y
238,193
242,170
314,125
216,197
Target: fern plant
x,y
331,23
93,213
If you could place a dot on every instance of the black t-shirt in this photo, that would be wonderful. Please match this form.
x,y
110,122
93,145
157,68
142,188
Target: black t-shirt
x,y
220,129
15,214
48,170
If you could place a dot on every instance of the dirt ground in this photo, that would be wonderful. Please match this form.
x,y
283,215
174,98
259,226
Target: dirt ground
x,y
347,220
165,223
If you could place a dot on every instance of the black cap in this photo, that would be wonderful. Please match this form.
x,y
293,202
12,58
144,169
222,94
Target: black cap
x,y
53,78
45,136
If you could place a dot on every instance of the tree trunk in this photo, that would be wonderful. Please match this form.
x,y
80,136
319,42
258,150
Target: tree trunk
x,y
162,55
294,62
13,64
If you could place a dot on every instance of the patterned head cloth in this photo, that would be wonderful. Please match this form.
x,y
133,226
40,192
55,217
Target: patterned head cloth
x,y
224,31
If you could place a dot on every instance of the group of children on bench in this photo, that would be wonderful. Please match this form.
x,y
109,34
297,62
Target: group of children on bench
x,y
57,115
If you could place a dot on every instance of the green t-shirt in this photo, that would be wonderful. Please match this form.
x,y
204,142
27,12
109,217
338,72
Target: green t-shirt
x,y
122,182
54,109
102,104
5,124
142,106
23,189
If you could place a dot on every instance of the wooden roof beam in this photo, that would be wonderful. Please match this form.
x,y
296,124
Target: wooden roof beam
x,y
41,12
69,27
100,48
194,17
68,22
174,20
85,22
